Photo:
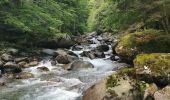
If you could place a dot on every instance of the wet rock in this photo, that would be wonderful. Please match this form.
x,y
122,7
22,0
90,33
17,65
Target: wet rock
x,y
1,63
115,58
72,58
22,59
33,63
11,67
88,54
80,64
7,57
153,68
147,41
62,59
99,54
2,82
163,94
23,64
49,52
96,92
149,92
12,51
77,48
43,68
103,48
24,75
65,42
114,47
61,52
72,53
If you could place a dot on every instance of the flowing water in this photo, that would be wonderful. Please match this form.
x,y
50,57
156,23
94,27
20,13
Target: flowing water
x,y
60,84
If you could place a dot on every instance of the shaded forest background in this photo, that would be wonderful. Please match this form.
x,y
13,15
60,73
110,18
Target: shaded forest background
x,y
29,21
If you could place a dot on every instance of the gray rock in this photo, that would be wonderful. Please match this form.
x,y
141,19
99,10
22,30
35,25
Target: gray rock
x,y
62,59
6,57
163,94
103,48
49,52
12,51
11,67
17,60
80,64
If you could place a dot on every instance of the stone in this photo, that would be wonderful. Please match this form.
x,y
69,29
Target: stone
x,y
17,60
149,91
11,67
62,59
81,64
43,68
33,63
153,68
23,64
12,51
24,75
99,54
88,54
6,57
147,41
49,52
103,48
163,94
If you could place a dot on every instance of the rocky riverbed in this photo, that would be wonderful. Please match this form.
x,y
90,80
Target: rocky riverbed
x,y
58,74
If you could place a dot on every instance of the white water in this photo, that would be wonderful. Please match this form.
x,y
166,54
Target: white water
x,y
59,84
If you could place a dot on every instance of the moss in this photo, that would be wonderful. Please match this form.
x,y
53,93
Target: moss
x,y
147,41
112,81
158,63
127,71
142,85
153,67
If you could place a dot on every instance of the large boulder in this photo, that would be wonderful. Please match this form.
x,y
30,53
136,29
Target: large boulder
x,y
153,67
163,94
80,64
147,41
64,41
103,48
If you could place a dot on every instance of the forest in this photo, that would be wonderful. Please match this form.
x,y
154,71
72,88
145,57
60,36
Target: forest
x,y
84,49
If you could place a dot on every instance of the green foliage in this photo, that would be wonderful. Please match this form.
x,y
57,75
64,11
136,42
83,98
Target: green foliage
x,y
42,18
118,15
112,81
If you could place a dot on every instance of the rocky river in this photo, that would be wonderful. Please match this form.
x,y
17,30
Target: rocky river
x,y
60,74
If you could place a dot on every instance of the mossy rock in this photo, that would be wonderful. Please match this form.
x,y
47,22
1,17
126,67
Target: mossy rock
x,y
153,67
147,41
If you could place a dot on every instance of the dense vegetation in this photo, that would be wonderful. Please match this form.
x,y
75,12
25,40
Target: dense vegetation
x,y
38,19
118,15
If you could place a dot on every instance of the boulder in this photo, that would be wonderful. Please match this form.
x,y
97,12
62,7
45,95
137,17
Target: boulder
x,y
43,68
24,75
33,63
153,68
62,59
149,92
80,64
99,54
103,48
7,57
163,94
147,41
11,67
12,51
17,60
49,52
88,54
